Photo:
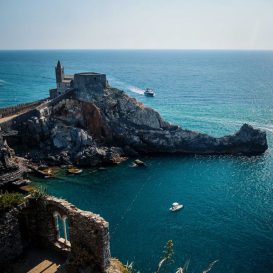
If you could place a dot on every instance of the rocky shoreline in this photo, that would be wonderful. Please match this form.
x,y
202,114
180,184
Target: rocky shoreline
x,y
91,127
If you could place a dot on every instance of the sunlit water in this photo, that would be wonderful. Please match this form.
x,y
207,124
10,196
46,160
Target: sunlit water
x,y
228,212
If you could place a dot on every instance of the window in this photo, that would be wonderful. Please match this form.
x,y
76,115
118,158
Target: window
x,y
61,225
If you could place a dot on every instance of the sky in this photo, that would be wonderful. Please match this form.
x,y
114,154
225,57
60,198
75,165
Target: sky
x,y
136,24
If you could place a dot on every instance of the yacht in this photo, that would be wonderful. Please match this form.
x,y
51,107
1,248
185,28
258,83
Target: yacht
x,y
149,92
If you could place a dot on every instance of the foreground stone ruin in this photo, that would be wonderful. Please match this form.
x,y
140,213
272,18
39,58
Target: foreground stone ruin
x,y
81,236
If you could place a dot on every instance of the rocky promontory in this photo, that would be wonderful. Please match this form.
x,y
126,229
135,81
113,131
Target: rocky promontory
x,y
93,125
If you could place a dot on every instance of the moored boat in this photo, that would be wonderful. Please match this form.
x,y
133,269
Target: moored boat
x,y
176,206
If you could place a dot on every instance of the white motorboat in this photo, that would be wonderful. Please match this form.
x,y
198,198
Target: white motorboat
x,y
176,206
149,92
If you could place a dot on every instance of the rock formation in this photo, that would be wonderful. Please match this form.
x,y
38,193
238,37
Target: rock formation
x,y
11,169
88,128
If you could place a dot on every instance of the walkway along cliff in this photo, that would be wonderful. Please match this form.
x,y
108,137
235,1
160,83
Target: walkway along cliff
x,y
91,123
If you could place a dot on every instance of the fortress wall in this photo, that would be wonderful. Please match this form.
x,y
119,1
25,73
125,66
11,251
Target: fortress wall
x,y
89,84
13,110
41,108
67,95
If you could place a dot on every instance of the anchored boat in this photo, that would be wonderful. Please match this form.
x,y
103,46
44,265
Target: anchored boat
x,y
176,206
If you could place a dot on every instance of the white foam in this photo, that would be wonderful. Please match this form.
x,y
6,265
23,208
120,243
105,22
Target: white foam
x,y
224,121
136,90
125,86
2,82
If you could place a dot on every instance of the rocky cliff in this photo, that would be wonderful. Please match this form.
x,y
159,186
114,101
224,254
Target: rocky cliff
x,y
91,128
11,167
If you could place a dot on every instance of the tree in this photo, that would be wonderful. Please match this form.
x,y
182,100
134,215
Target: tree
x,y
167,255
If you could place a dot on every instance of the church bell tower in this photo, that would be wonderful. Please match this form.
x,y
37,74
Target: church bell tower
x,y
59,71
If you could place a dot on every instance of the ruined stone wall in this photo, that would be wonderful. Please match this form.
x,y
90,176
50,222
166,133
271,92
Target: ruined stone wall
x,y
11,244
88,247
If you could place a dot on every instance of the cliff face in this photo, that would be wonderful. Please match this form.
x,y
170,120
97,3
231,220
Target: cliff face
x,y
11,167
91,128
143,130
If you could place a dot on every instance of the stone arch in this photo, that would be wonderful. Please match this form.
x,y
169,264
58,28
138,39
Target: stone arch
x,y
61,226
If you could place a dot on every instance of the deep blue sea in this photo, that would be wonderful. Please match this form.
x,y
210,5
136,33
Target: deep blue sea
x,y
228,214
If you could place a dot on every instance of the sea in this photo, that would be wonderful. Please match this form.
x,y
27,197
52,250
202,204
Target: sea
x,y
228,200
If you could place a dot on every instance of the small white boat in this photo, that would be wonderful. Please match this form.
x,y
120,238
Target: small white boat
x,y
176,206
149,92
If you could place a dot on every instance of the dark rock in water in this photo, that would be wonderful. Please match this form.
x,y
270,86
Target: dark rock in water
x,y
73,170
89,128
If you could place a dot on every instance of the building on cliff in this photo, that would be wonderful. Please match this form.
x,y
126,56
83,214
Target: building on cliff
x,y
95,81
64,82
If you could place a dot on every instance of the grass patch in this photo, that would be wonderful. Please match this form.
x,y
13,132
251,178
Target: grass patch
x,y
116,265
38,192
9,200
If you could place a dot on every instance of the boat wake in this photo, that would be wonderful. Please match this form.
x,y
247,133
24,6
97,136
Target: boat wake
x,y
225,121
210,266
136,90
125,86
2,82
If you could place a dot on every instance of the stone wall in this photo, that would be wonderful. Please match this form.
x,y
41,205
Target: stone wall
x,y
88,234
89,84
87,246
19,108
53,93
11,244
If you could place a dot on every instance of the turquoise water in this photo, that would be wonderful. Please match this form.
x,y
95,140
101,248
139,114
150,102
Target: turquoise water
x,y
228,214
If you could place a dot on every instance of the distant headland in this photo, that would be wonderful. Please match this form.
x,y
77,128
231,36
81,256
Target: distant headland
x,y
86,122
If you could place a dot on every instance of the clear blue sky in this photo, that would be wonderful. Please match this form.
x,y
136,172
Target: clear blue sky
x,y
117,24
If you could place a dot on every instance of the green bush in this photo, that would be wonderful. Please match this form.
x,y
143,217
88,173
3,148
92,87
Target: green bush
x,y
9,200
38,192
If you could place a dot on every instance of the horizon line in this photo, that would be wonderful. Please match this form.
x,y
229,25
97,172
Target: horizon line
x,y
129,49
